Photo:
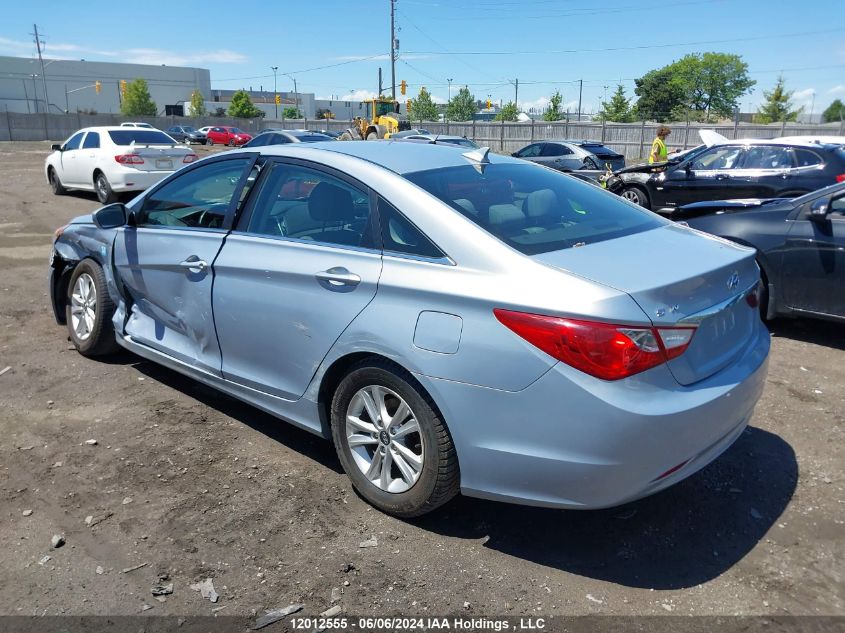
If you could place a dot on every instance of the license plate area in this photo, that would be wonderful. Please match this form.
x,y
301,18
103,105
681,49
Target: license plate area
x,y
164,163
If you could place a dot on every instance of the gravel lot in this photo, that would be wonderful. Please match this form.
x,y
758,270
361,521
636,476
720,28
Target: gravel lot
x,y
194,485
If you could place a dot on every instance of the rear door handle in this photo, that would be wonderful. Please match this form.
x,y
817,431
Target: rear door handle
x,y
337,278
194,264
722,176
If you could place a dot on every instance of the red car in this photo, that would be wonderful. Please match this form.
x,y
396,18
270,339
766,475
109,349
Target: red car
x,y
227,136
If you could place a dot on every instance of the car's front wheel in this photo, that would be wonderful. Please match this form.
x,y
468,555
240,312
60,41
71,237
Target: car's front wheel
x,y
89,311
209,141
56,183
392,442
103,189
635,195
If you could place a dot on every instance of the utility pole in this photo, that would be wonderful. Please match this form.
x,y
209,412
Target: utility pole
x,y
379,81
43,76
392,50
580,91
449,80
516,93
275,69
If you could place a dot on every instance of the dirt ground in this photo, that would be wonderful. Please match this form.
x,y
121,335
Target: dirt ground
x,y
194,485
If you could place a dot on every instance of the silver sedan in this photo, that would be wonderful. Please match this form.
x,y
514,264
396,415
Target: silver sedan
x,y
451,320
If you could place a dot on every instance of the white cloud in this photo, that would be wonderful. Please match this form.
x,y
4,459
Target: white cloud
x,y
358,95
439,100
541,103
804,98
837,90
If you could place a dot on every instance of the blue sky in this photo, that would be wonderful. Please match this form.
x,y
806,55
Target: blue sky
x,y
334,48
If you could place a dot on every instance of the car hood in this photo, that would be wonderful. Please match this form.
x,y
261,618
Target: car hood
x,y
707,207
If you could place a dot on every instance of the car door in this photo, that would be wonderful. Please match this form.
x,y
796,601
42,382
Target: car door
x,y
531,152
164,261
707,176
814,259
302,263
764,172
69,160
81,168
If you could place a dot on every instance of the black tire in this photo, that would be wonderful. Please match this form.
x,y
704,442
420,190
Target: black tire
x,y
103,189
439,477
636,195
231,142
56,183
100,339
209,141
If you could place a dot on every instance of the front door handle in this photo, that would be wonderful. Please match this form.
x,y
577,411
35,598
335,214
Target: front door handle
x,y
194,264
722,176
337,278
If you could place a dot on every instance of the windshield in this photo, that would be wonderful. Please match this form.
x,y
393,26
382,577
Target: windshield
x,y
140,136
463,142
235,130
188,128
384,108
534,209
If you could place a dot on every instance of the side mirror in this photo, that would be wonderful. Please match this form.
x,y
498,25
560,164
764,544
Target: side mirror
x,y
515,154
111,216
819,210
56,147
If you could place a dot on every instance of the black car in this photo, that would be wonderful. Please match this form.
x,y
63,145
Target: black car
x,y
186,134
742,169
800,246
279,137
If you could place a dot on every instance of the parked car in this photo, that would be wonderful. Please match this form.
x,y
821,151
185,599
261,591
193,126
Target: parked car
x,y
438,139
287,136
835,140
800,246
732,169
113,160
331,133
137,124
570,155
452,320
205,130
227,135
186,134
410,132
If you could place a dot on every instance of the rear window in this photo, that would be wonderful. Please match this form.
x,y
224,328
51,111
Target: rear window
x,y
140,136
313,138
599,150
533,209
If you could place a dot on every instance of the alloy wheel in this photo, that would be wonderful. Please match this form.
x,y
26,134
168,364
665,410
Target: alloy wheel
x,y
384,438
83,306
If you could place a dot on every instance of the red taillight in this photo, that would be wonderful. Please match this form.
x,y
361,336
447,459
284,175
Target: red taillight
x,y
604,350
752,297
189,158
840,178
129,159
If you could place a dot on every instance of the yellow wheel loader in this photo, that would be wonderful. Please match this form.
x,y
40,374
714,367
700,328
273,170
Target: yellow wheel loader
x,y
381,120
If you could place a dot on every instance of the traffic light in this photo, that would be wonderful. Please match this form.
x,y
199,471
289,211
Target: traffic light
x,y
403,87
123,86
278,99
97,87
408,105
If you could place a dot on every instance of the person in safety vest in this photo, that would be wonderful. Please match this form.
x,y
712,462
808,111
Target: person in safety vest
x,y
659,153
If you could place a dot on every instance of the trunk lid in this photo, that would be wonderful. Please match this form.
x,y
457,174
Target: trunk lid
x,y
159,157
678,277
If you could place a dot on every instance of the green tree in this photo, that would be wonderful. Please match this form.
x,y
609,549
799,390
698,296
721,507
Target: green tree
x,y
291,112
509,112
778,105
618,109
835,112
423,108
198,104
552,111
697,85
462,106
242,106
137,100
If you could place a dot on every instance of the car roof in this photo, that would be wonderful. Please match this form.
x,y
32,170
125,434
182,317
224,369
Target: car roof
x,y
115,128
396,156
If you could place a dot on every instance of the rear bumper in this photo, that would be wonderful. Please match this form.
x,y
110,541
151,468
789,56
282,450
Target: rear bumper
x,y
135,180
573,441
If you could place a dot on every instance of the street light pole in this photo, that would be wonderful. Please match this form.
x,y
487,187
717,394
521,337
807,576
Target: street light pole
x,y
275,69
295,92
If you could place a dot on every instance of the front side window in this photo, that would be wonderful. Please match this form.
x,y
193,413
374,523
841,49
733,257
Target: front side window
x,y
306,204
199,198
837,208
92,141
555,149
531,151
74,141
717,158
534,210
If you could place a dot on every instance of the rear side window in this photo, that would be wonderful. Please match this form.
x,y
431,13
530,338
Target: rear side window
x,y
199,198
767,157
532,209
555,149
806,158
140,136
92,141
398,235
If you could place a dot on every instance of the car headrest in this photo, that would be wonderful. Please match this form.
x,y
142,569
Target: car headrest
x,y
329,203
540,203
504,214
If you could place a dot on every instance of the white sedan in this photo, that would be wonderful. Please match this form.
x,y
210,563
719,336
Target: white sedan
x,y
113,160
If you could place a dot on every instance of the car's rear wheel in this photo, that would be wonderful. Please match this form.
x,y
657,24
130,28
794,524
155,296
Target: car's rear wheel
x,y
56,183
635,195
392,442
89,311
104,191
